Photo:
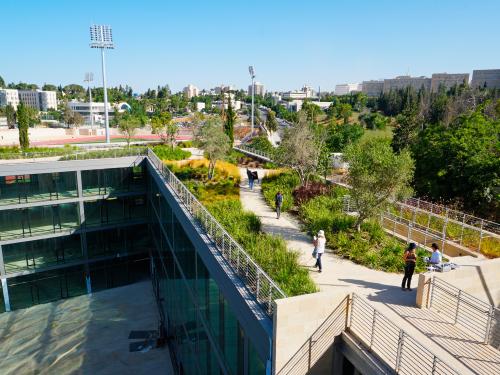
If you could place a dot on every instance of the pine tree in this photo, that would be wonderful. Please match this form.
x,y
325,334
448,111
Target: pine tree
x,y
23,124
229,121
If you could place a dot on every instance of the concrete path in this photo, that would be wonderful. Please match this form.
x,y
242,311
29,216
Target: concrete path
x,y
382,289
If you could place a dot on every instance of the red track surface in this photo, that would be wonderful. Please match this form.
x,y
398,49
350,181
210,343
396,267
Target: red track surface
x,y
101,138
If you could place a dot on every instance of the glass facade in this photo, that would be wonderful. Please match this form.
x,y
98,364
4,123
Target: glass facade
x,y
28,188
113,181
208,336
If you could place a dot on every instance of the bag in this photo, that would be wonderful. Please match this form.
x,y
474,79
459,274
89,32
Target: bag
x,y
315,253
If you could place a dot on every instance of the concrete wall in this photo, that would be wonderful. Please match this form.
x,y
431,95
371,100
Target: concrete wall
x,y
481,279
304,329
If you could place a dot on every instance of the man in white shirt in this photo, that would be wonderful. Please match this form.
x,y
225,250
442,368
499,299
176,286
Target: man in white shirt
x,y
436,257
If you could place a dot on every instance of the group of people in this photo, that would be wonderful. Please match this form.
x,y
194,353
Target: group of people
x,y
252,177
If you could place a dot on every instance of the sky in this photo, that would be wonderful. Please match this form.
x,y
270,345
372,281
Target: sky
x,y
289,42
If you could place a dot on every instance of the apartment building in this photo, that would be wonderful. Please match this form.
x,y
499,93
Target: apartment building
x,y
372,88
347,88
37,99
486,78
259,89
448,80
191,91
9,97
402,82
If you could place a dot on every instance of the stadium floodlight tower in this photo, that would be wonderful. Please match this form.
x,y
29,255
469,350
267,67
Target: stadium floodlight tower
x,y
102,37
252,75
89,78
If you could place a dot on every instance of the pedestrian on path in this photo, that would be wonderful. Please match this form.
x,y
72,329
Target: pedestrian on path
x,y
278,201
255,176
410,259
250,179
319,244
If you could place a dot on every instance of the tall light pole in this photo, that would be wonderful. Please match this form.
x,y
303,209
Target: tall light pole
x,y
89,77
101,37
252,74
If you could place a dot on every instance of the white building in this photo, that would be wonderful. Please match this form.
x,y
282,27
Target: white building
x,y
347,88
223,88
200,106
259,89
191,91
48,100
9,96
30,98
489,78
306,92
83,108
403,82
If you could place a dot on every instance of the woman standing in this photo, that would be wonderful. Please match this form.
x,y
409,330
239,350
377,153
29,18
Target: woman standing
x,y
410,259
320,248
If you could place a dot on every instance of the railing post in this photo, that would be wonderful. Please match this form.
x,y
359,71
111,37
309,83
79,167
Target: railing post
x,y
258,284
488,325
481,235
400,350
458,305
310,354
434,364
374,322
431,285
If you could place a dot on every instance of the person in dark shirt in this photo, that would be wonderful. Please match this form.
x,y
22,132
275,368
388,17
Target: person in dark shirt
x,y
278,202
410,259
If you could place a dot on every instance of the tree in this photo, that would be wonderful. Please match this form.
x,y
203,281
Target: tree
x,y
339,136
312,111
344,111
230,121
49,87
23,121
10,113
75,91
72,118
213,141
406,130
164,127
271,122
2,82
377,175
128,127
460,163
299,150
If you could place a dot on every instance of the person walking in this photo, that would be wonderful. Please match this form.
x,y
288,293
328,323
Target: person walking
x,y
255,175
320,243
278,202
250,179
410,259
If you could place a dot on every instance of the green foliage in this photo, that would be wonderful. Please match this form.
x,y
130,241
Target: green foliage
x,y
185,144
461,162
102,154
169,153
344,111
229,122
49,87
221,197
23,121
213,141
2,82
376,176
162,125
10,113
408,125
285,182
271,122
14,152
370,247
340,136
261,143
374,121
234,157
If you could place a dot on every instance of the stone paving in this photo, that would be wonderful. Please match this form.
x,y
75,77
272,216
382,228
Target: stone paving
x,y
382,289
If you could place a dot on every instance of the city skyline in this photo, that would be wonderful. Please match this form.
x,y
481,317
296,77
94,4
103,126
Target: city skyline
x,y
376,41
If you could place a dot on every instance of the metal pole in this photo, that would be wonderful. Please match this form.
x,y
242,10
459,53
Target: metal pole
x,y
106,116
91,115
253,93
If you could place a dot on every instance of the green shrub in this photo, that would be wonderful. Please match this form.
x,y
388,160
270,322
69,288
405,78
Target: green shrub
x,y
261,143
165,152
234,157
285,182
371,247
101,154
185,144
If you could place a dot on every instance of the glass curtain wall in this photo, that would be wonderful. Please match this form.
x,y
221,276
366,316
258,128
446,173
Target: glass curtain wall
x,y
208,336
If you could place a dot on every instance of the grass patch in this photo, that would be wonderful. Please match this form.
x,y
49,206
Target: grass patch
x,y
221,197
14,152
101,154
165,152
371,247
377,133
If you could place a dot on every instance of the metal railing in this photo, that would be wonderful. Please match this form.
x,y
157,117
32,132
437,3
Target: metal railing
x,y
260,285
391,344
474,316
253,152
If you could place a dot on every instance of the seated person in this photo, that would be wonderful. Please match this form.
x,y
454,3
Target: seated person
x,y
436,257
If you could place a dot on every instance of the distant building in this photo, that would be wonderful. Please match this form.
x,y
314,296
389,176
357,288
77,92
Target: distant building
x,y
9,96
448,80
259,89
30,98
306,92
347,88
372,88
486,78
402,82
191,91
223,88
48,100
37,99
83,108
200,106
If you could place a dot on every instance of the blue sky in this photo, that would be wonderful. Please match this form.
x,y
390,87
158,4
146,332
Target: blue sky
x,y
206,43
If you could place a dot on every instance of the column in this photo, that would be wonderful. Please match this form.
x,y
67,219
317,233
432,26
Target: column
x,y
83,233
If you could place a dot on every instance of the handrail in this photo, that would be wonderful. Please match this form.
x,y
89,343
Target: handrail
x,y
251,150
392,344
262,287
474,315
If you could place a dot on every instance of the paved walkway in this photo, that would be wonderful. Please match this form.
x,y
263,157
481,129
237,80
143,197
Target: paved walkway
x,y
382,289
